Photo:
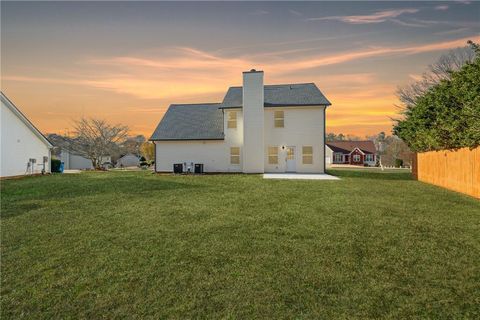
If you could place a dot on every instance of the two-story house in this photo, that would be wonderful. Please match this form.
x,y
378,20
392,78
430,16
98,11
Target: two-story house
x,y
257,128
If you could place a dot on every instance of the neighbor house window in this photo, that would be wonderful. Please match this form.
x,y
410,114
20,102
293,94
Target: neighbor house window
x,y
279,119
235,155
338,157
272,155
307,154
232,120
356,158
369,157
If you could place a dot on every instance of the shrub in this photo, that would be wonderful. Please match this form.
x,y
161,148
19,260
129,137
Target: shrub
x,y
398,163
55,165
447,115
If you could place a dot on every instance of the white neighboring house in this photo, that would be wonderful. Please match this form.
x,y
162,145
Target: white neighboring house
x,y
128,160
24,149
257,128
75,161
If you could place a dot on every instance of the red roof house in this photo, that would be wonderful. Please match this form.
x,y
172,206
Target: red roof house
x,y
351,152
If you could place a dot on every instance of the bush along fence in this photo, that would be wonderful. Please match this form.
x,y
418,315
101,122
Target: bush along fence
x,y
457,170
441,121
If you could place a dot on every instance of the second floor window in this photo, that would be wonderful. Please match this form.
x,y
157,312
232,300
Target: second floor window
x,y
232,120
278,119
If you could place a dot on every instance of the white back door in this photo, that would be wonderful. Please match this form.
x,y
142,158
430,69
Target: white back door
x,y
291,161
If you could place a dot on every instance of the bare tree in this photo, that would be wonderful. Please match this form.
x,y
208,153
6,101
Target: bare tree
x,y
435,73
396,149
132,144
95,138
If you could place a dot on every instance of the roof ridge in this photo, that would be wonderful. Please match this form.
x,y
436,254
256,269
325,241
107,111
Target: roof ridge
x,y
194,104
279,84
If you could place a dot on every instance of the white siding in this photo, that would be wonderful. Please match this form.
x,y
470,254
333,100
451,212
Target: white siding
x,y
253,114
302,127
213,154
18,144
73,161
234,138
129,160
328,156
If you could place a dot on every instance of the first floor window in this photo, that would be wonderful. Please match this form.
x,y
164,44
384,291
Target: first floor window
x,y
272,155
235,155
338,157
232,120
279,117
369,157
307,154
356,158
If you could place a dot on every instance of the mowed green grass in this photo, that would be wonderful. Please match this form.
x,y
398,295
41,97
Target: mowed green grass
x,y
139,245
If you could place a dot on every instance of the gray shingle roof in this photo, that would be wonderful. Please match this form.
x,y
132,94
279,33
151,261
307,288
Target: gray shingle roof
x,y
191,122
301,94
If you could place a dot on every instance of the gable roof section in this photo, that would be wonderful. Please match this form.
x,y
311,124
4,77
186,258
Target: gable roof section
x,y
10,105
301,94
349,146
190,122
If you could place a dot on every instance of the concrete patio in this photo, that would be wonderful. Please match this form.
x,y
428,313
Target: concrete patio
x,y
300,176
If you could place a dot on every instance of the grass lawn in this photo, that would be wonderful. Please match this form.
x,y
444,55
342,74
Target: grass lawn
x,y
138,245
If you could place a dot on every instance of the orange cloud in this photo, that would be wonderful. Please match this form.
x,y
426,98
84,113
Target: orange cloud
x,y
183,75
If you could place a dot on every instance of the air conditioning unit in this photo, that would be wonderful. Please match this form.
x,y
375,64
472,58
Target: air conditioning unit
x,y
199,168
178,168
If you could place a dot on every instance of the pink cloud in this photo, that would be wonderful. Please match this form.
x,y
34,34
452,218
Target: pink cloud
x,y
442,7
377,17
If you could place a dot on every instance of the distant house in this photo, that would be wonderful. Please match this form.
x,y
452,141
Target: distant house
x,y
128,160
24,149
72,160
351,152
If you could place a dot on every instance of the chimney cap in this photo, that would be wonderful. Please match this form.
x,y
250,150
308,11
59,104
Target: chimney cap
x,y
253,71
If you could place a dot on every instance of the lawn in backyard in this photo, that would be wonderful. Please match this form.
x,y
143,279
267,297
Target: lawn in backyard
x,y
135,244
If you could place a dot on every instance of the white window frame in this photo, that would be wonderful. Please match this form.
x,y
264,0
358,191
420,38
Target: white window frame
x,y
369,157
306,155
235,155
271,154
356,158
279,115
232,119
338,157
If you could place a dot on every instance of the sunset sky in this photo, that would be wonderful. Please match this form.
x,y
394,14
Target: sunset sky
x,y
127,61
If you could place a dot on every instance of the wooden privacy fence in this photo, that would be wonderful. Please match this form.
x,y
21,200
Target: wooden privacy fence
x,y
457,170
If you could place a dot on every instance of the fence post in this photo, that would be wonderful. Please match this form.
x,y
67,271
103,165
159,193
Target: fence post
x,y
415,166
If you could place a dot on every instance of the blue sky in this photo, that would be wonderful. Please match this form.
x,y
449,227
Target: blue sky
x,y
127,61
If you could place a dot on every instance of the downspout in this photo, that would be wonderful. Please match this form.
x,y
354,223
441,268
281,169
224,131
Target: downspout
x,y
155,155
324,139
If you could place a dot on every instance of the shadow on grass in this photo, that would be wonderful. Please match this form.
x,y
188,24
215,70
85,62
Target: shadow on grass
x,y
21,197
369,174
